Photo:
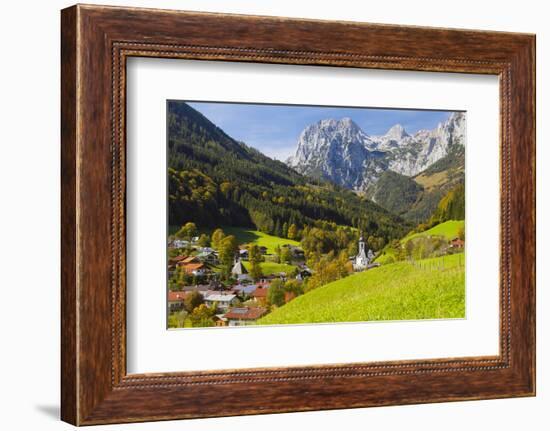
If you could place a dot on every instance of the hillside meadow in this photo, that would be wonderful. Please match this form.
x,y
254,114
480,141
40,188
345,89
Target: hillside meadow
x,y
448,230
430,289
269,268
246,235
250,236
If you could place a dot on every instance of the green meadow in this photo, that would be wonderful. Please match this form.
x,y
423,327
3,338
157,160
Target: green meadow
x,y
448,229
429,289
248,236
269,268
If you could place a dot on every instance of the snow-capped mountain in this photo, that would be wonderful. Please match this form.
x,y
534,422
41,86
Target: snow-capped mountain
x,y
340,151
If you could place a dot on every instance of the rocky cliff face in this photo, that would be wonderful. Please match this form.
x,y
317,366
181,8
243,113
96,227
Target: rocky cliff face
x,y
340,151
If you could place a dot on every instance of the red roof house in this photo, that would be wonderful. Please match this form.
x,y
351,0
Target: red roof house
x,y
241,316
457,243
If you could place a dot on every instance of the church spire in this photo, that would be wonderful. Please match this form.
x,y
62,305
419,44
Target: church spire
x,y
361,243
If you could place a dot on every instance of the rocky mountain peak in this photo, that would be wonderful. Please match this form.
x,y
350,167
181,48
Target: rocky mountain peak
x,y
396,132
339,150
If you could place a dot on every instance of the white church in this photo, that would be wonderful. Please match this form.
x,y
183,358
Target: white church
x,y
363,259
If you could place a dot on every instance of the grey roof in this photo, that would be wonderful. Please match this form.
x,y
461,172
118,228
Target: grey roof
x,y
219,297
246,289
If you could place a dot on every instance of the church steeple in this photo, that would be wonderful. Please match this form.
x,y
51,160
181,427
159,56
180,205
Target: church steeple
x,y
361,244
361,260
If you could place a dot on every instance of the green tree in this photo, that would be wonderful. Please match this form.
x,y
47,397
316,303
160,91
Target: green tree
x,y
255,258
204,240
277,256
292,232
329,268
217,236
187,231
202,316
294,286
177,319
401,251
451,206
461,233
278,230
227,250
276,293
192,301
286,255
284,233
226,188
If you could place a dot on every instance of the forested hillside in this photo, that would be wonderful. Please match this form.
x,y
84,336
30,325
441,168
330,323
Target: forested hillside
x,y
417,198
215,180
395,192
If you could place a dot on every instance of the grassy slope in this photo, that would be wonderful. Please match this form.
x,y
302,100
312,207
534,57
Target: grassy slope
x,y
247,235
398,291
272,267
448,229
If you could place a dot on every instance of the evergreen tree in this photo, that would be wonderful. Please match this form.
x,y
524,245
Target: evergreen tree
x,y
284,233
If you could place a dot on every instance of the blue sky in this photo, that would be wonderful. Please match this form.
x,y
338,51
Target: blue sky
x,y
274,129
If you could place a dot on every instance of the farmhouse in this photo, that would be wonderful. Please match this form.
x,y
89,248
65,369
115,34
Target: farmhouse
x,y
457,243
220,320
297,252
303,273
260,295
263,282
242,316
244,290
175,300
177,259
188,259
223,300
209,257
179,243
194,268
201,288
205,250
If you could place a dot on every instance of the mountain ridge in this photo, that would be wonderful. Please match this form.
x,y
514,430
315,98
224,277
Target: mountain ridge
x,y
330,142
214,179
341,152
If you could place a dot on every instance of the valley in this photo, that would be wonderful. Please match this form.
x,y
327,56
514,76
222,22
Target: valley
x,y
352,227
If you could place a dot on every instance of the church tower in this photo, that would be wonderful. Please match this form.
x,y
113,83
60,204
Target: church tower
x,y
361,245
361,260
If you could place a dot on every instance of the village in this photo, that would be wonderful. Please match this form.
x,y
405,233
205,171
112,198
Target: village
x,y
238,300
217,281
200,295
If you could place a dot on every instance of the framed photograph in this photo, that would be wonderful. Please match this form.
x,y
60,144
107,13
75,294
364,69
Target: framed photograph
x,y
265,215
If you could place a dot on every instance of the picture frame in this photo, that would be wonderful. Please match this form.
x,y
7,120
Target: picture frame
x,y
96,42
